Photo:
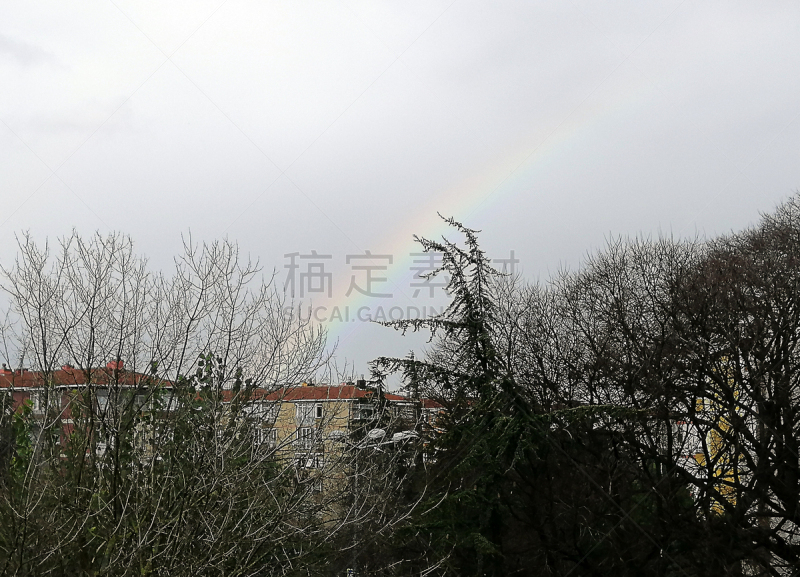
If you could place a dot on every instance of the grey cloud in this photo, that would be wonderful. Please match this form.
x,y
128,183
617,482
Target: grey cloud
x,y
24,53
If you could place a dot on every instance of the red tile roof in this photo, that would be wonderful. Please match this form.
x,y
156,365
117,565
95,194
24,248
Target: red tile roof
x,y
431,404
321,393
67,376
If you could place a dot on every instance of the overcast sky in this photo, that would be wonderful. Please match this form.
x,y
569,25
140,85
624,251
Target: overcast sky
x,y
341,127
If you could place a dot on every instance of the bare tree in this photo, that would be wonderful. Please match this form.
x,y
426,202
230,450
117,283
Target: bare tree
x,y
142,459
701,340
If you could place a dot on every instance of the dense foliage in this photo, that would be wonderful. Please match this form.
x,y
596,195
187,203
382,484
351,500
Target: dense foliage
x,y
637,417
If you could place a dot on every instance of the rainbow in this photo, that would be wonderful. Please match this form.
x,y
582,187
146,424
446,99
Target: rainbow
x,y
517,170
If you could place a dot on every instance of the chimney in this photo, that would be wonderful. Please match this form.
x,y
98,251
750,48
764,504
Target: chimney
x,y
115,365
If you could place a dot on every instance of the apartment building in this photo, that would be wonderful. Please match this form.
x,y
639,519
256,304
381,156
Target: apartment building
x,y
54,394
313,424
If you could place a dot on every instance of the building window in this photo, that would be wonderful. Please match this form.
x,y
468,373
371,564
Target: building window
x,y
263,411
105,443
304,414
305,438
310,461
36,401
318,411
406,412
142,403
266,437
144,440
102,402
53,397
172,403
363,412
